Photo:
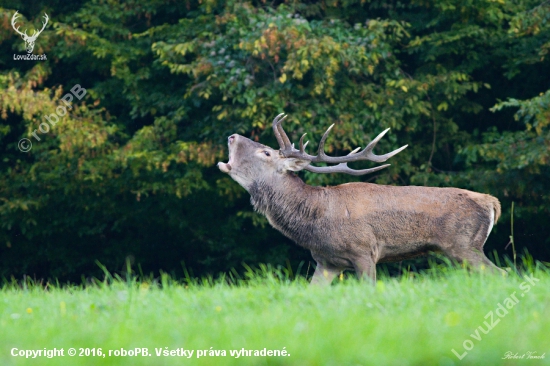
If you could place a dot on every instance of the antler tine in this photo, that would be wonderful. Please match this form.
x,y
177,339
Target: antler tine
x,y
286,140
367,153
276,131
302,146
281,132
373,143
343,168
36,33
321,150
13,21
382,158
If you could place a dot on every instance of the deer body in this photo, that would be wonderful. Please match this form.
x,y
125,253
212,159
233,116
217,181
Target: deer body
x,y
356,225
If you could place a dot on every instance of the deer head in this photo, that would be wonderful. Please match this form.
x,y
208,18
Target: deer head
x,y
249,160
29,40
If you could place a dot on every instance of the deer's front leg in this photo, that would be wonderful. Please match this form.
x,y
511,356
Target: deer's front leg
x,y
324,274
365,267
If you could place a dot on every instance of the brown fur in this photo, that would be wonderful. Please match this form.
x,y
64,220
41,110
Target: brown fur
x,y
356,225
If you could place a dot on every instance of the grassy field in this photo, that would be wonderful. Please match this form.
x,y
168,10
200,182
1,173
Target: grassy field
x,y
409,320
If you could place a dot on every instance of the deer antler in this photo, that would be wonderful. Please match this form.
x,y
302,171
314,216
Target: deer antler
x,y
13,21
288,150
25,35
36,34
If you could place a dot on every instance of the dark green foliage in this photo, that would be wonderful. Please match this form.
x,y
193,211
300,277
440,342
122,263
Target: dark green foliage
x,y
129,172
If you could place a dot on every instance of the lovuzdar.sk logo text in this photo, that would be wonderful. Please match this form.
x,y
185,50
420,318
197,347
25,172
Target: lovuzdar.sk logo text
x,y
29,40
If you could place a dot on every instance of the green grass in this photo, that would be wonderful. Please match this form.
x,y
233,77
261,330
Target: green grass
x,y
415,319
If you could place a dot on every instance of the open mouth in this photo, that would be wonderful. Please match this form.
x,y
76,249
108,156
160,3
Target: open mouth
x,y
226,167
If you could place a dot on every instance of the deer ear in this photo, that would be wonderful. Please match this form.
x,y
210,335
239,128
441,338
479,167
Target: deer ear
x,y
294,164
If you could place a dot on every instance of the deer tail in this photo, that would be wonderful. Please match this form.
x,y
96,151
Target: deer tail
x,y
496,207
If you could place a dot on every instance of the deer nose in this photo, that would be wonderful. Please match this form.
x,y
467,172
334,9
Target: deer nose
x,y
230,139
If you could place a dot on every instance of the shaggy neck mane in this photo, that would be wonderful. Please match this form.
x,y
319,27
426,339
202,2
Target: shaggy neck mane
x,y
282,200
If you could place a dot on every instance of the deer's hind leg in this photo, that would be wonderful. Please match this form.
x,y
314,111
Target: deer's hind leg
x,y
477,259
470,250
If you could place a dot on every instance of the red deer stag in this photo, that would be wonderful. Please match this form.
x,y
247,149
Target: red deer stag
x,y
356,225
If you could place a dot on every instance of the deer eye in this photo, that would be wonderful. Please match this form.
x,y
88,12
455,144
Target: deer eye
x,y
267,153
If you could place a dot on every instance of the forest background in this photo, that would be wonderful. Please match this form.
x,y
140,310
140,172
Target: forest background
x,y
128,175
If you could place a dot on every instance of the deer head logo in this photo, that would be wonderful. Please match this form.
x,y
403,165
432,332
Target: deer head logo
x,y
29,40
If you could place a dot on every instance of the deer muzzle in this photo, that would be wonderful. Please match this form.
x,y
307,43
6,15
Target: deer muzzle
x,y
224,167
